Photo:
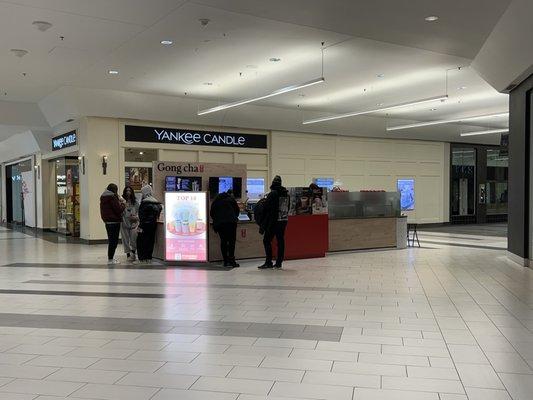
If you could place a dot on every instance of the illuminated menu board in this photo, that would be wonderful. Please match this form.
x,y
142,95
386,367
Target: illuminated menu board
x,y
186,226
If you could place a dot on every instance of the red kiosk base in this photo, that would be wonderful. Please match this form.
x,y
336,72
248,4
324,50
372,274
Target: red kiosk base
x,y
306,237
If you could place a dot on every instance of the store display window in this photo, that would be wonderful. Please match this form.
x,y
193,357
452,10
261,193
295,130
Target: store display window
x,y
68,196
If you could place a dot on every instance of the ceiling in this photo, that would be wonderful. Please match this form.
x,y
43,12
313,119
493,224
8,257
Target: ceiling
x,y
380,52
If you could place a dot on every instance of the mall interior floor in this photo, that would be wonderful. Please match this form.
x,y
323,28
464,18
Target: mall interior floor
x,y
439,322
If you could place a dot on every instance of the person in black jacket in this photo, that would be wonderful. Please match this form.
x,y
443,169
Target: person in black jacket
x,y
149,211
274,222
111,208
225,214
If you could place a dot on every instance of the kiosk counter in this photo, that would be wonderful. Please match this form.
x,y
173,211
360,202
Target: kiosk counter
x,y
356,221
317,223
365,220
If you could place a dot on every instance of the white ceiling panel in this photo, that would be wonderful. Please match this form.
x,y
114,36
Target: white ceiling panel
x,y
376,53
141,12
461,30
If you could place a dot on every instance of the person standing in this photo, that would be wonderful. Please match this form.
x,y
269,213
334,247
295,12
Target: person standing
x,y
274,222
130,223
149,211
111,209
225,214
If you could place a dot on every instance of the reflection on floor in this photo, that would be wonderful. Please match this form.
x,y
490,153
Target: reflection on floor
x,y
489,236
440,322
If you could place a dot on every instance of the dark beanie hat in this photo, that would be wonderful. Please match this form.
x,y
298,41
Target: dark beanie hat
x,y
276,181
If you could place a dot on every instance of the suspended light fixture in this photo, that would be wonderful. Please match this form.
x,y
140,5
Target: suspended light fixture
x,y
486,132
286,89
375,110
445,121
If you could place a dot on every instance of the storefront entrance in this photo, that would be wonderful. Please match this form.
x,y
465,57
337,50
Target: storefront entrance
x,y
478,184
20,200
67,195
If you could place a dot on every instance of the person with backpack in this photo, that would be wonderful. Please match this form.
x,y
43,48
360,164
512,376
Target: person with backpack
x,y
225,214
130,223
149,212
111,209
272,219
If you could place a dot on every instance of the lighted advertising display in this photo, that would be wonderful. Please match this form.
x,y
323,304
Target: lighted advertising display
x,y
255,187
186,226
406,187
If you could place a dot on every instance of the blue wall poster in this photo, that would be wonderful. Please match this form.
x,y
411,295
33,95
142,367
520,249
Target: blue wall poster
x,y
406,187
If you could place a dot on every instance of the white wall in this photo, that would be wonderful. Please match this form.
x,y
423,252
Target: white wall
x,y
368,163
97,137
506,57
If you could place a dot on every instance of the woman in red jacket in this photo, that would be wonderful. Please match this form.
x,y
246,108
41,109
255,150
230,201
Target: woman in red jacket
x,y
111,209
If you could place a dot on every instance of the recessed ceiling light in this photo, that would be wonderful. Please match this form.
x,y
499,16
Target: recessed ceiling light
x,y
379,104
141,153
274,59
431,18
112,72
433,109
208,83
167,42
42,25
461,87
380,75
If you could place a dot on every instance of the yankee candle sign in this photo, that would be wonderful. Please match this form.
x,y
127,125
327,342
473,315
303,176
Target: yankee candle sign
x,y
66,140
189,137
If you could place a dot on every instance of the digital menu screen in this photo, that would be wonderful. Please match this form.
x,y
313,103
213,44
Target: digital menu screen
x,y
221,184
225,183
186,226
183,184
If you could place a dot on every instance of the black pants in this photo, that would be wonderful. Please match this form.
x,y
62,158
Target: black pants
x,y
113,231
145,241
228,237
278,231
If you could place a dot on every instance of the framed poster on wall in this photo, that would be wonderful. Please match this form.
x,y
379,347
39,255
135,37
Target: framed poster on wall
x,y
406,187
137,177
186,225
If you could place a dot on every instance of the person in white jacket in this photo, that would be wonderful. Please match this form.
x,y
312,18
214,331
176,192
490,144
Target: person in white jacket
x,y
130,223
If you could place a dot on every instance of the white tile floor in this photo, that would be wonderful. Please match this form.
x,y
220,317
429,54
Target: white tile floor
x,y
437,323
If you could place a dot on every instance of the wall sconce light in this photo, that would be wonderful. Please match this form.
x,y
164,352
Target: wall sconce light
x,y
104,165
82,161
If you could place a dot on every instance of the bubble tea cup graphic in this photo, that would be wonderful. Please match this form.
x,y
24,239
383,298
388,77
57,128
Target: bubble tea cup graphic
x,y
184,219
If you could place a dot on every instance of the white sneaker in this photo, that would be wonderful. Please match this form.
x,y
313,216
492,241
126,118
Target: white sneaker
x,y
113,262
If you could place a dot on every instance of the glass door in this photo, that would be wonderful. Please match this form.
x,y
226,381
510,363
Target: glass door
x,y
68,196
463,184
497,176
17,201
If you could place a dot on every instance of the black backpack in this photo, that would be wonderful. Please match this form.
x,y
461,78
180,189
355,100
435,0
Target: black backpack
x,y
259,211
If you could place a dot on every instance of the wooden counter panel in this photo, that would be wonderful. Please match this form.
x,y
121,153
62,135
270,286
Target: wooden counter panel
x,y
365,233
249,243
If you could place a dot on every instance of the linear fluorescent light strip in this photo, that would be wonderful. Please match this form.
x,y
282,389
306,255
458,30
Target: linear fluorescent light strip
x,y
486,132
266,96
356,113
445,121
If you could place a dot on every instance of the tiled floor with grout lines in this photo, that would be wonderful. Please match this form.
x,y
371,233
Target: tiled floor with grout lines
x,y
442,322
